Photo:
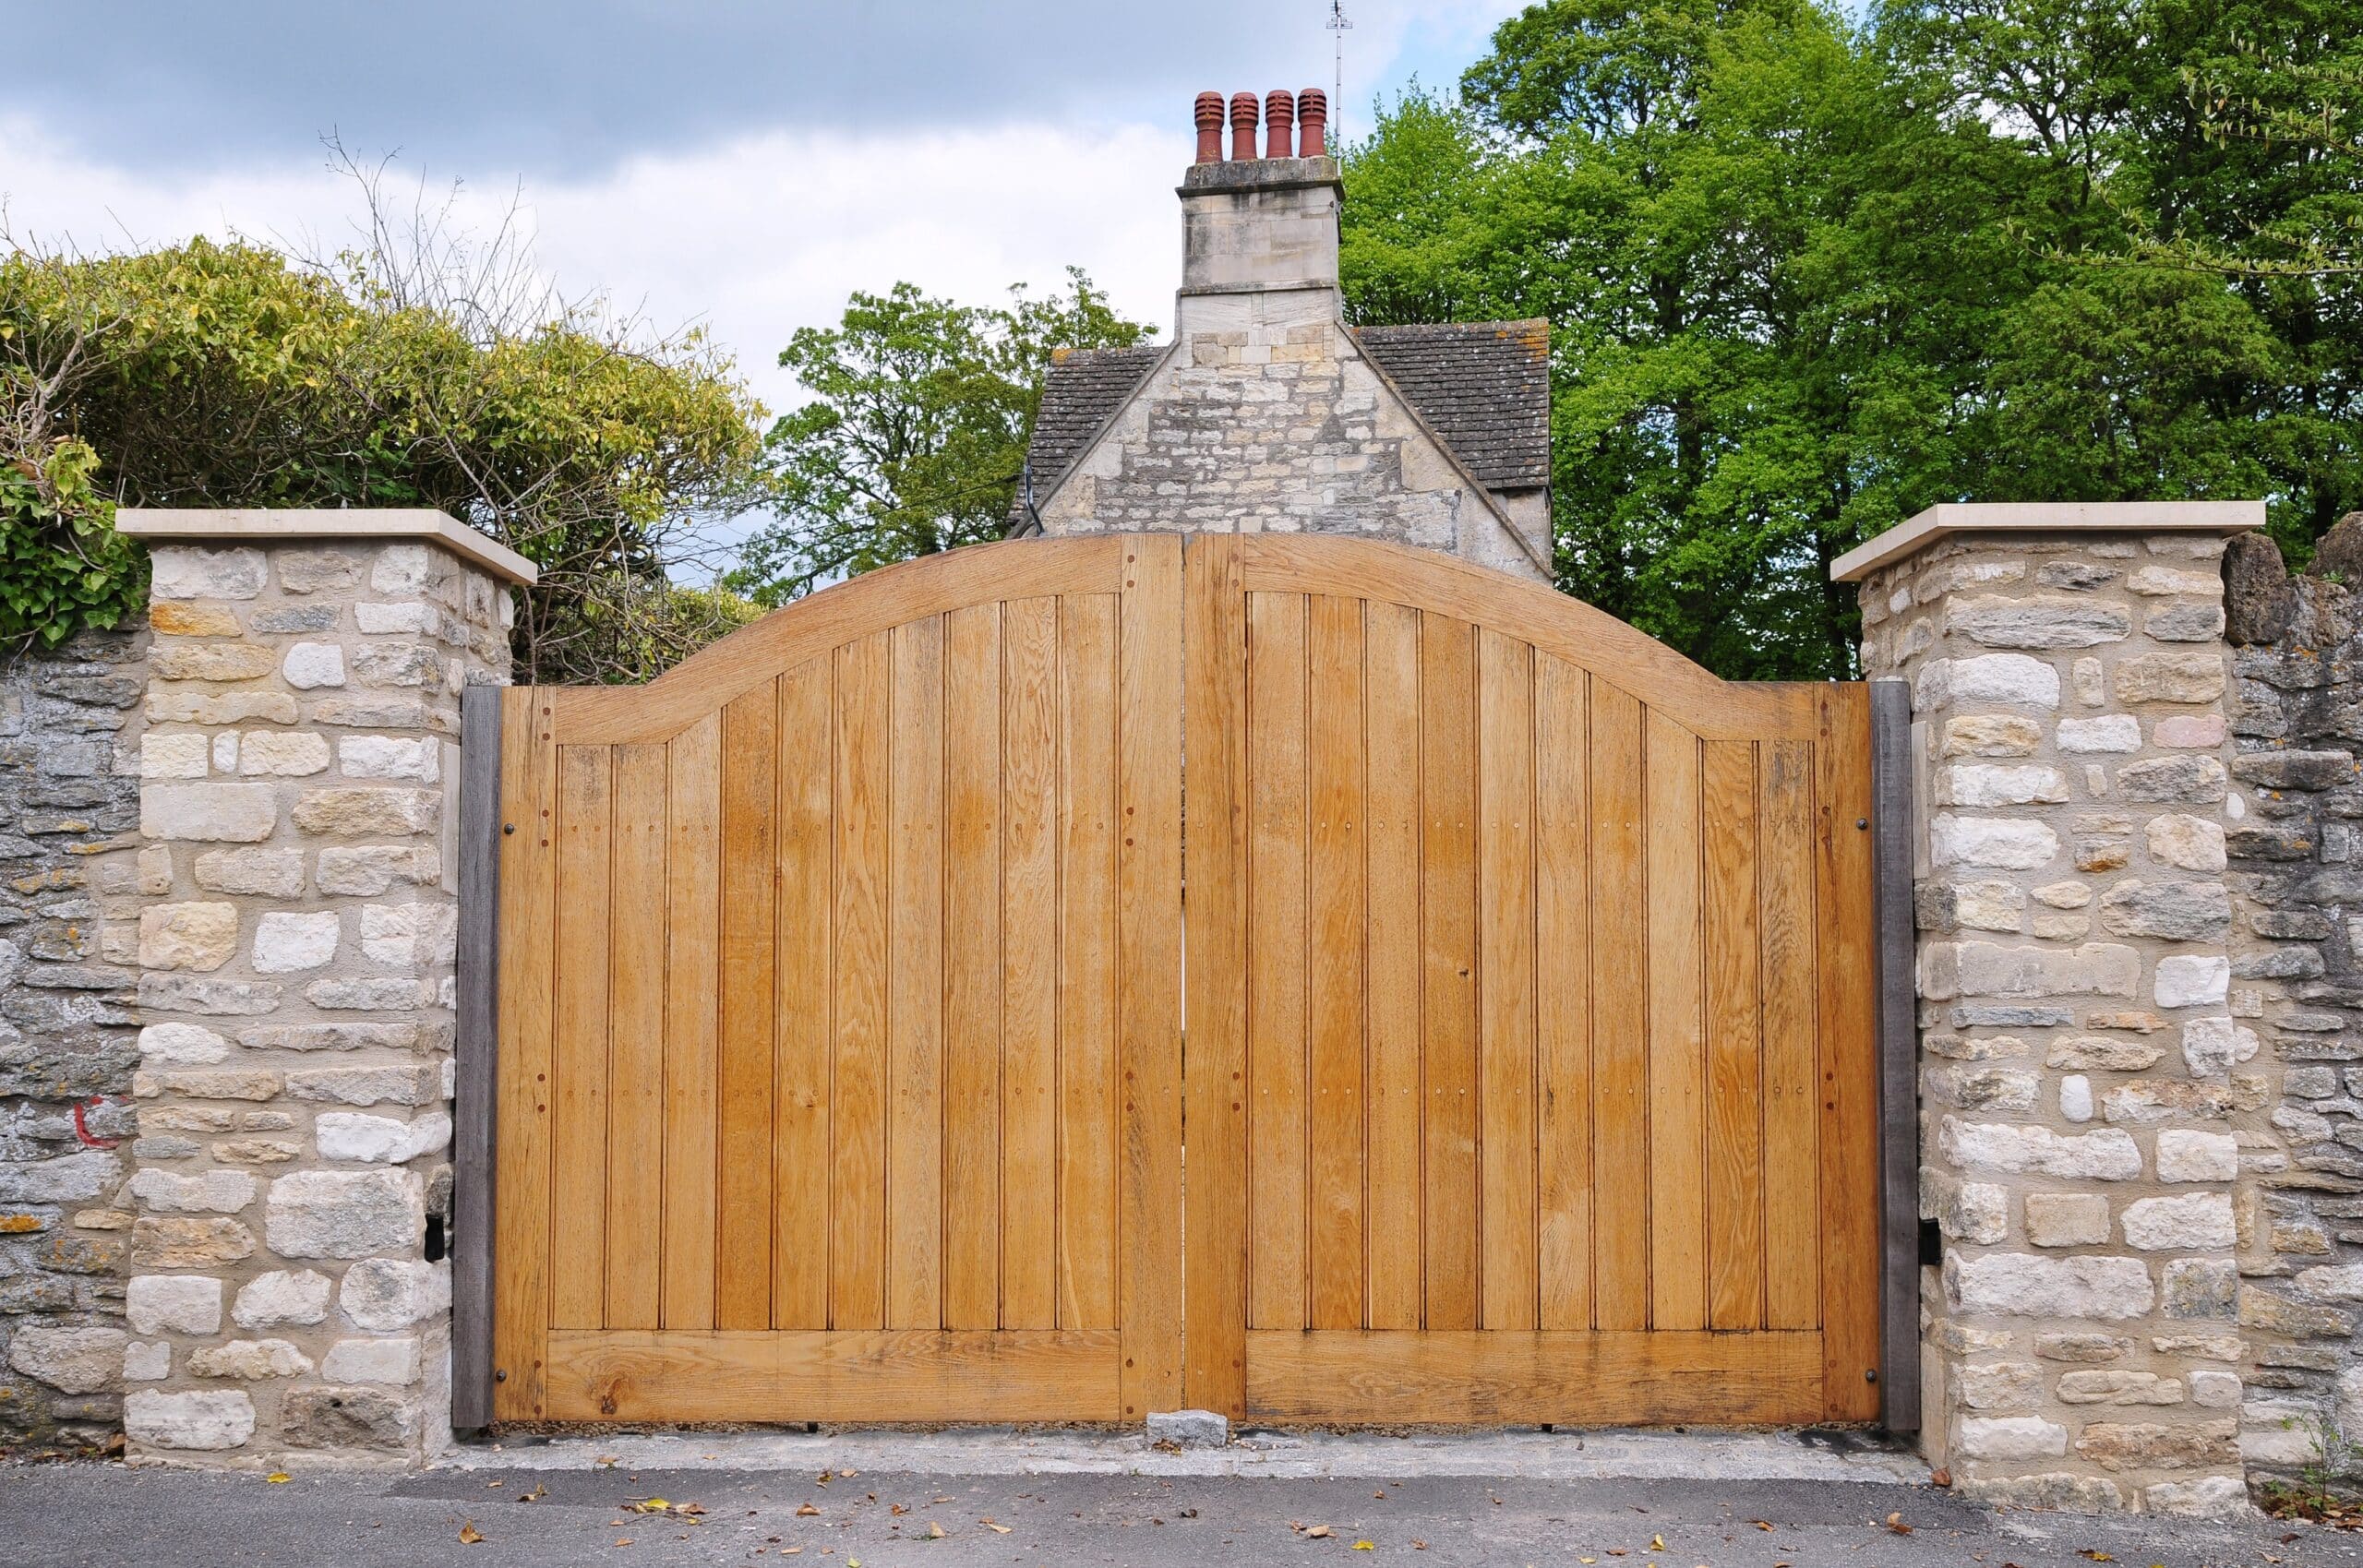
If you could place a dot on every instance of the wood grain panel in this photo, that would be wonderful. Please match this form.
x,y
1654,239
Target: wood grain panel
x,y
692,1019
1791,1101
1563,992
1619,1112
1448,985
1843,898
865,731
1336,978
971,935
524,1138
1391,728
579,1205
1506,967
1677,1034
914,921
806,1009
1734,1076
1275,961
749,950
1086,1075
636,1201
1029,1029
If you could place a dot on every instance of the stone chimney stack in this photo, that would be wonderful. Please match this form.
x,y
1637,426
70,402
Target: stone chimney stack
x,y
1260,234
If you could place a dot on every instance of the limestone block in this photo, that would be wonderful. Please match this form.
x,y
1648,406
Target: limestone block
x,y
1990,969
212,1419
313,571
2214,1390
210,1191
2076,1097
402,572
2187,1155
409,934
2189,842
370,992
331,1036
2170,677
2341,1282
2209,1497
2212,1046
2088,679
1977,1212
282,753
188,936
182,619
147,1363
1999,1385
387,1294
2143,1445
297,618
2018,1285
219,708
2192,780
335,1214
282,1296
72,1360
183,571
286,943
2154,1100
356,811
2190,731
339,1416
2009,1437
2000,843
160,1242
173,756
407,1085
235,813
2118,1387
2086,1347
381,756
311,666
1983,1087
2201,1287
2113,732
1992,904
396,1361
2102,1053
171,659
181,1045
1991,734
270,873
2172,911
2044,622
164,1303
2166,581
251,1360
2012,679
2067,1219
396,664
2190,981
2000,784
379,1140
367,870
2188,620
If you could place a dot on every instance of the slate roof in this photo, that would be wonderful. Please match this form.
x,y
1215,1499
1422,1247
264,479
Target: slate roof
x,y
1486,385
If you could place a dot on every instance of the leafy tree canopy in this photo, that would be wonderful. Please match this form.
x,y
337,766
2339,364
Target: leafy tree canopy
x,y
1807,276
916,431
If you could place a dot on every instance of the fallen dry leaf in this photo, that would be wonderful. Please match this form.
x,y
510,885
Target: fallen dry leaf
x,y
2096,1556
1657,1543
469,1534
1365,1546
1418,1545
1941,1478
1895,1523
604,1459
1762,1523
934,1531
276,1476
623,1540
1318,1532
997,1529
806,1510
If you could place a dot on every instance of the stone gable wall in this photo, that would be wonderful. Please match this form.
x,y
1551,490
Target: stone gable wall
x,y
2085,1088
69,808
1281,426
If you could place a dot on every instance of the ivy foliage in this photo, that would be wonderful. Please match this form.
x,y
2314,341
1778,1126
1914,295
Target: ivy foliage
x,y
228,374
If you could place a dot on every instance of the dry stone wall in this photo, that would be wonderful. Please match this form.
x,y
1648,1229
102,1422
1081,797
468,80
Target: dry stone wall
x,y
2086,1088
69,806
286,1297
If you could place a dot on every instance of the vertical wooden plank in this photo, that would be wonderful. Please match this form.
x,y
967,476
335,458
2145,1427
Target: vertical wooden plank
x,y
1735,1084
1792,1102
971,967
743,1132
1678,1036
579,1071
1563,990
1335,968
1849,1064
1030,963
1215,1064
1148,913
1391,741
477,1041
527,1139
915,1108
1448,990
1087,961
1892,770
1505,966
1275,961
636,1043
692,1019
865,728
1620,992
805,1045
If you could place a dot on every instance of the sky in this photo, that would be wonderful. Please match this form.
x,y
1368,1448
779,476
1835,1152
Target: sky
x,y
718,162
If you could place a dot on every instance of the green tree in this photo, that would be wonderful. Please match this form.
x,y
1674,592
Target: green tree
x,y
916,431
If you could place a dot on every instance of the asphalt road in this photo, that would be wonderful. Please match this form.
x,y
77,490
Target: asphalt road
x,y
107,1516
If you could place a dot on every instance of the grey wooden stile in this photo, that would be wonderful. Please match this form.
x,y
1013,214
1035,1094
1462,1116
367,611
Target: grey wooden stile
x,y
1891,773
477,1045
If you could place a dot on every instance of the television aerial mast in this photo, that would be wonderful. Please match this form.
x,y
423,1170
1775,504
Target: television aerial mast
x,y
1339,25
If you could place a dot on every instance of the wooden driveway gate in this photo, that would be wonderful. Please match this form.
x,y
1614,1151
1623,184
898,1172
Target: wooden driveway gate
x,y
840,1073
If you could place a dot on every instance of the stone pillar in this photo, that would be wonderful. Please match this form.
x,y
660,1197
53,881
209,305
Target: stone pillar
x,y
2082,1077
289,1191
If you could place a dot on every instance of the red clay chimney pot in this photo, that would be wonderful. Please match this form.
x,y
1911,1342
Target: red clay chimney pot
x,y
1243,127
1209,115
1279,122
1312,118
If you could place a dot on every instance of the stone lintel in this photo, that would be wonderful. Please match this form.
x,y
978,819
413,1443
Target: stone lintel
x,y
231,525
2062,518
